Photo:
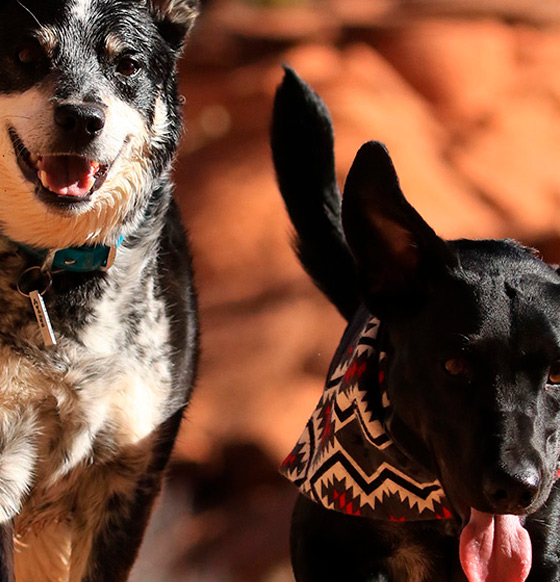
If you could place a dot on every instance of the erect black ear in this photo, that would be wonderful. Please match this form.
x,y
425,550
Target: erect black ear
x,y
398,255
174,19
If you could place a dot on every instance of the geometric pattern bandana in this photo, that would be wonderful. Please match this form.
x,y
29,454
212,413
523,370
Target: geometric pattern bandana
x,y
345,460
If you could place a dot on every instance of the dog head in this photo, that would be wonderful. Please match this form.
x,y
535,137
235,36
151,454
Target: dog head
x,y
89,115
474,346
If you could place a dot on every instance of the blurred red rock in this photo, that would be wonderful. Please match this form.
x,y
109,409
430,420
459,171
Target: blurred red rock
x,y
463,67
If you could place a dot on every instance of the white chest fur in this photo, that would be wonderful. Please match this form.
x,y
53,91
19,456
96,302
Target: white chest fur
x,y
83,402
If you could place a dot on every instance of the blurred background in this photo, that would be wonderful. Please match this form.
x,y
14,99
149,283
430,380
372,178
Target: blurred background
x,y
466,95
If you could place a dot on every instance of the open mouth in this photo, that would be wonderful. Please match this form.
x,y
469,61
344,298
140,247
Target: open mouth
x,y
60,179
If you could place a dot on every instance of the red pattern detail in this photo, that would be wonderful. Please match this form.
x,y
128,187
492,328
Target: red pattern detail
x,y
327,423
354,372
342,500
345,504
392,518
289,460
350,511
445,514
350,373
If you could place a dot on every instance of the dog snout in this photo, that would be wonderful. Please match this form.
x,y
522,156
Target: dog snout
x,y
80,122
512,492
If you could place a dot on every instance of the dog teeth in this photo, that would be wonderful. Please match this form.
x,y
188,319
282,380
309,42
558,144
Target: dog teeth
x,y
44,177
90,182
34,159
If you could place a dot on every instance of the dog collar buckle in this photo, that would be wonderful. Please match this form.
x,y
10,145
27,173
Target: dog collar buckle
x,y
110,258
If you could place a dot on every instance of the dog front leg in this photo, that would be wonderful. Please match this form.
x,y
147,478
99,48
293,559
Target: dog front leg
x,y
105,544
114,507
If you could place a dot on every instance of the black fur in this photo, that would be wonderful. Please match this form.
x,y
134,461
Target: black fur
x,y
473,334
302,148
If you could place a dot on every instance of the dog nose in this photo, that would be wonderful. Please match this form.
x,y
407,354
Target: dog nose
x,y
82,121
512,493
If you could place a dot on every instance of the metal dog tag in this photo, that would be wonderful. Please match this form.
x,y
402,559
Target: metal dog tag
x,y
43,319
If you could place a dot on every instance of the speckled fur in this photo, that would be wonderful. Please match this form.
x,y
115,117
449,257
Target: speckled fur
x,y
87,426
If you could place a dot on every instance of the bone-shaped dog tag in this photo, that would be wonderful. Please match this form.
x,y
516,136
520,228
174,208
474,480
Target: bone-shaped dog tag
x,y
42,317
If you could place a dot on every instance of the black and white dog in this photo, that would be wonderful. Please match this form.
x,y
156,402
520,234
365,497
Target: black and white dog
x,y
433,453
98,332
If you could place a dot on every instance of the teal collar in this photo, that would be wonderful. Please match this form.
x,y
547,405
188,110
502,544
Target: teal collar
x,y
82,259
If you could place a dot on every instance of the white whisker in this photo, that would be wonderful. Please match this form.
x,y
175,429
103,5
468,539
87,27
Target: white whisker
x,y
27,9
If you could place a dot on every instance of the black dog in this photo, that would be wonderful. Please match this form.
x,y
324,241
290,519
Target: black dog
x,y
439,425
98,334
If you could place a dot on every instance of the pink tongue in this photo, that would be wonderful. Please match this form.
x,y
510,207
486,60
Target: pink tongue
x,y
495,548
67,175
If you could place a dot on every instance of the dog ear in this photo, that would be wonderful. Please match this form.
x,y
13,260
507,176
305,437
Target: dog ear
x,y
174,19
398,255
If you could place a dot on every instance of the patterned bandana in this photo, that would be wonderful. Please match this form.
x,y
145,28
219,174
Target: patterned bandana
x,y
345,460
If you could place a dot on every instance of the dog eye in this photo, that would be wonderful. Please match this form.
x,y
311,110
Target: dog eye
x,y
127,66
456,367
554,374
